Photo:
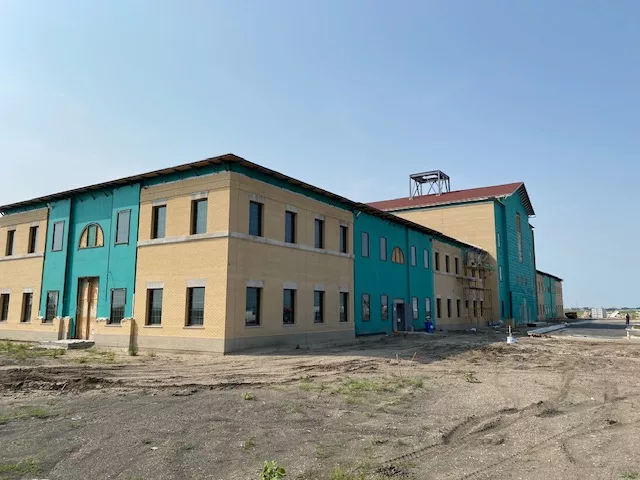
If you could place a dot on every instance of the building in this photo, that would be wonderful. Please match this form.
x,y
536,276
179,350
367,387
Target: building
x,y
599,312
549,294
493,218
221,255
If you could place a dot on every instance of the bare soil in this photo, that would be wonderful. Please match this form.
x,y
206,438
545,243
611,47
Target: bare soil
x,y
452,406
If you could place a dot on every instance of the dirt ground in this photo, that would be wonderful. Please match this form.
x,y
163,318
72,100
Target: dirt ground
x,y
451,406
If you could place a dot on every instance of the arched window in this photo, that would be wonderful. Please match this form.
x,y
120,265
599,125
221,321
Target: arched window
x,y
397,256
92,236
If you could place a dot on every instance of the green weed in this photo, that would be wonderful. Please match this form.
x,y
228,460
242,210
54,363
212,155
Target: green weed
x,y
471,377
248,396
22,413
249,443
272,471
26,466
339,473
24,351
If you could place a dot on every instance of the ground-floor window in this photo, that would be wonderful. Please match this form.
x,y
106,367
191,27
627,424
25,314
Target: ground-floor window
x,y
118,302
414,308
458,307
27,303
366,307
195,306
502,307
318,306
384,307
52,306
449,307
4,307
289,307
344,306
438,308
154,306
252,307
427,308
475,309
481,308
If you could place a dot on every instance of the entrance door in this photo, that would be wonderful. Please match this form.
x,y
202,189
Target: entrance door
x,y
398,314
87,307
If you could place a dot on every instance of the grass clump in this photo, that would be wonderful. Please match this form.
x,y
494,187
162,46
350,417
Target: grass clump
x,y
339,473
248,396
95,355
630,476
26,466
272,471
471,377
22,413
151,354
354,390
24,351
249,443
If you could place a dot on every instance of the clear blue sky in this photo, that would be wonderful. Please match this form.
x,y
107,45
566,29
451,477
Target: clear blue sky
x,y
349,95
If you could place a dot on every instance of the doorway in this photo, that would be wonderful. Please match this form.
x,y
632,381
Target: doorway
x,y
86,307
398,315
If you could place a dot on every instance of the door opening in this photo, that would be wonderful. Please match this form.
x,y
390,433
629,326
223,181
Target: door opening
x,y
87,307
399,315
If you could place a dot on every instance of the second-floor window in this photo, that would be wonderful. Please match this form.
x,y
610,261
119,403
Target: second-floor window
x,y
289,227
122,226
58,236
344,239
159,221
199,216
364,240
255,219
318,233
8,251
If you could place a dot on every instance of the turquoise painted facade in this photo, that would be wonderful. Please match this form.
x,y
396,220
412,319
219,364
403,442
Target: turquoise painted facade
x,y
113,264
549,300
399,282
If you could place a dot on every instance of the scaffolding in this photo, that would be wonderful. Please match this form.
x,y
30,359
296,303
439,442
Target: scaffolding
x,y
478,298
436,181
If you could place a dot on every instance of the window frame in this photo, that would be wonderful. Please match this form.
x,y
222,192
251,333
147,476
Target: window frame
x,y
25,314
5,298
426,259
118,319
438,308
413,255
57,227
290,223
447,264
364,244
47,318
118,215
382,244
318,317
456,265
458,307
10,245
318,233
32,246
257,308
500,272
384,307
365,307
397,256
149,310
499,239
292,315
436,261
344,307
449,307
155,211
189,320
344,239
195,208
415,308
427,308
259,210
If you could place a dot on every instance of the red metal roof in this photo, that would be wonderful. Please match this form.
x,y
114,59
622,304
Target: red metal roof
x,y
457,196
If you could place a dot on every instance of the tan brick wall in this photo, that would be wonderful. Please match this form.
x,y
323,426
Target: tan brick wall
x,y
21,270
540,296
559,301
448,286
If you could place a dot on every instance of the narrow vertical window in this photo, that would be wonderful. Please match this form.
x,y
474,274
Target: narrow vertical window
x,y
414,308
195,306
52,306
199,216
499,239
344,239
33,239
27,304
344,307
159,221
482,308
458,308
438,308
383,249
364,244
384,307
118,302
288,307
413,255
457,265
366,307
252,307
255,219
500,272
425,254
154,306
4,307
449,307
122,226
58,236
446,263
318,233
475,309
8,251
318,306
519,237
437,261
289,227
427,308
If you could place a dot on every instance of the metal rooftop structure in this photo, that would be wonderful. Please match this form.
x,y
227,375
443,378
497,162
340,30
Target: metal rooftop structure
x,y
436,181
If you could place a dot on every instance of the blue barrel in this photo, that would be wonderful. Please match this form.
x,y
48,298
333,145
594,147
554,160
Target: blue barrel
x,y
428,327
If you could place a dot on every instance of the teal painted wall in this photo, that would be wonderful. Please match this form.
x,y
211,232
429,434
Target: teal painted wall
x,y
114,265
521,275
502,259
376,277
549,297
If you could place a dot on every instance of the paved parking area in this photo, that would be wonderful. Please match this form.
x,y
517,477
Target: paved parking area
x,y
605,329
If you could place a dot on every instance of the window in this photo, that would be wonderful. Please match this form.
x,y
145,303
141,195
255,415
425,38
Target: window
x,y
364,244
437,261
366,307
58,236
195,306
288,307
318,306
499,239
344,307
199,216
33,239
122,227
457,265
118,301
92,236
500,272
519,236
159,221
475,308
425,254
413,255
4,307
384,307
252,307
427,308
344,239
458,308
446,263
414,307
289,227
438,308
482,308
319,233
255,219
154,306
383,249
27,303
52,306
397,256
449,307
466,306
8,251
